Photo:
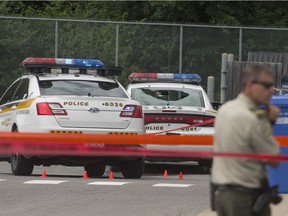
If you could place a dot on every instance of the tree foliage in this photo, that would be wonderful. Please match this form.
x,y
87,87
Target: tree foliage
x,y
259,13
141,48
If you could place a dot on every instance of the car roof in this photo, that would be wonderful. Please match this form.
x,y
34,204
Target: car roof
x,y
165,85
72,77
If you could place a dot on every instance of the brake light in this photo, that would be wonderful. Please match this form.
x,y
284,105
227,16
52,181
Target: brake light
x,y
147,120
211,124
43,109
50,109
133,111
179,119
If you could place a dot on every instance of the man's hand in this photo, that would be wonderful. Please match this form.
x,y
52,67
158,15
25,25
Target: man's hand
x,y
274,164
272,113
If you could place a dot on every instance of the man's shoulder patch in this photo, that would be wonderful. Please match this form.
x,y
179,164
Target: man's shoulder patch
x,y
260,113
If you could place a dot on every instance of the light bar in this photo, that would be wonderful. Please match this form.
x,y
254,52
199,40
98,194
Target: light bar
x,y
44,65
62,62
172,77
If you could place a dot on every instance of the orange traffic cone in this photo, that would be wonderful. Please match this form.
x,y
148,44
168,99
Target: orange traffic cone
x,y
180,176
165,174
111,176
44,175
85,175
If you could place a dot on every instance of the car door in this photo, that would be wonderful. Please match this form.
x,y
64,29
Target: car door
x,y
8,107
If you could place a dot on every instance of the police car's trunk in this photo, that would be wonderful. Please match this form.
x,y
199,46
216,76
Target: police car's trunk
x,y
165,118
90,112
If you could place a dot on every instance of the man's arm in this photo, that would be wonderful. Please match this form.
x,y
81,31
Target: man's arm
x,y
263,141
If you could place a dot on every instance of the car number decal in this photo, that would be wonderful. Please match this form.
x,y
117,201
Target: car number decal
x,y
191,129
113,104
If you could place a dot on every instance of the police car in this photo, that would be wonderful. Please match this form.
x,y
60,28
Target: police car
x,y
173,104
67,96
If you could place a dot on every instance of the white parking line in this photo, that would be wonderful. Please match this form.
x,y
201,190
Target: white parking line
x,y
2,179
44,182
108,183
172,185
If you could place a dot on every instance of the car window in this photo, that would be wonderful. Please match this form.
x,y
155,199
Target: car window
x,y
22,90
175,96
81,88
8,95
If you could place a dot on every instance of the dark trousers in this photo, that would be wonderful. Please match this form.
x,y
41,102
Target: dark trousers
x,y
237,203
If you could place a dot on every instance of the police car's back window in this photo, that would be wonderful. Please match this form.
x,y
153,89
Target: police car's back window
x,y
81,88
175,96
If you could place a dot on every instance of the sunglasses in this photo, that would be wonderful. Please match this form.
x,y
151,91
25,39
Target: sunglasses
x,y
266,85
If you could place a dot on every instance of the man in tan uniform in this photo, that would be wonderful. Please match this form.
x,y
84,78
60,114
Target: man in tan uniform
x,y
242,128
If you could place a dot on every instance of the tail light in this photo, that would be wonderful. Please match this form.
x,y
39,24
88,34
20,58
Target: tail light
x,y
210,124
147,120
50,109
201,120
133,111
180,119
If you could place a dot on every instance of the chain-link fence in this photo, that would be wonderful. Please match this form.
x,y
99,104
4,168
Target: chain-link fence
x,y
144,47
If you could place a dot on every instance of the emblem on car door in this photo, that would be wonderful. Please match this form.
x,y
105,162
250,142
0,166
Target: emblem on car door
x,y
93,110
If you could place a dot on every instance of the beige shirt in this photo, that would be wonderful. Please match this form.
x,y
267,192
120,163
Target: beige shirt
x,y
240,127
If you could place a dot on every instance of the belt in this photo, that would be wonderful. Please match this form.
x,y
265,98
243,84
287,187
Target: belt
x,y
238,188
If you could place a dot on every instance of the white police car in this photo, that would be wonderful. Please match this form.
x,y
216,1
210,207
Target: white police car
x,y
172,102
71,102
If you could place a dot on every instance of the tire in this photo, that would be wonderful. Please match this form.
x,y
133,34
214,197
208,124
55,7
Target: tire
x,y
95,170
20,165
206,164
133,169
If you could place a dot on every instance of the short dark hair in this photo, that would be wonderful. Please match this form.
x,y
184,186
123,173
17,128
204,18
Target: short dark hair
x,y
252,72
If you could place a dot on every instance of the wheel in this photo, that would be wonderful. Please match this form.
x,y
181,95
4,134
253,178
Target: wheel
x,y
95,170
206,164
133,169
20,165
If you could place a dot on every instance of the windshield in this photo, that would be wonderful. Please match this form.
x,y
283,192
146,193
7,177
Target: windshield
x,y
81,88
168,97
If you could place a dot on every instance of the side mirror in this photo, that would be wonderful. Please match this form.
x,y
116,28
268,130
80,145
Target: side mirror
x,y
216,105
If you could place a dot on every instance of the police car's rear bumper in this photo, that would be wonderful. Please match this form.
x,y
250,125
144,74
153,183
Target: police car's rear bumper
x,y
81,161
178,148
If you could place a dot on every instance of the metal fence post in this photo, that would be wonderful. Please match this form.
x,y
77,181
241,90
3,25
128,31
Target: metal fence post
x,y
229,80
240,44
56,38
210,87
224,67
230,59
180,49
117,45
